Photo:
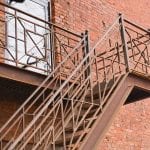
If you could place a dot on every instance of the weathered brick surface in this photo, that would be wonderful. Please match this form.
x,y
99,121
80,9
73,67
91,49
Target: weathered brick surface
x,y
131,128
137,10
97,15
83,15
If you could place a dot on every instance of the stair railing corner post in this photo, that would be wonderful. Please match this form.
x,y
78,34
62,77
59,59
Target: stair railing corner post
x,y
87,49
124,42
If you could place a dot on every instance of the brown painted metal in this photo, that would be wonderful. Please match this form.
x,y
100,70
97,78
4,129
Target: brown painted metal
x,y
20,75
118,98
73,115
20,11
44,58
124,42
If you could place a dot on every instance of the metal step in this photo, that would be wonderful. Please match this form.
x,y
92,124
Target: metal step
x,y
69,136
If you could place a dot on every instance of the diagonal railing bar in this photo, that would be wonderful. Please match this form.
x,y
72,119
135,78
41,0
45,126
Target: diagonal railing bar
x,y
35,130
141,52
39,88
139,38
117,81
55,105
76,145
40,113
79,65
65,49
99,113
133,24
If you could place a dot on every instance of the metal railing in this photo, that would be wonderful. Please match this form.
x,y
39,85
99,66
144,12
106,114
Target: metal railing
x,y
27,113
32,43
63,116
138,44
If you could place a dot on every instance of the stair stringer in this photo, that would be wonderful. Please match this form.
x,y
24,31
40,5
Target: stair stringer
x,y
117,99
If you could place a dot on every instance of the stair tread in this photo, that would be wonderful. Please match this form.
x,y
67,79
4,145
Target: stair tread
x,y
69,136
102,86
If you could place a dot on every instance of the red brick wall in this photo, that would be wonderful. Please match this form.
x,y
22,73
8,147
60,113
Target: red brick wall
x,y
97,15
83,15
135,10
131,128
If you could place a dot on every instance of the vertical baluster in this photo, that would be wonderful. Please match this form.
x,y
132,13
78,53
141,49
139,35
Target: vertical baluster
x,y
124,42
16,39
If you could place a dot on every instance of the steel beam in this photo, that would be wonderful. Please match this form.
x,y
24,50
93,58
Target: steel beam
x,y
21,75
117,99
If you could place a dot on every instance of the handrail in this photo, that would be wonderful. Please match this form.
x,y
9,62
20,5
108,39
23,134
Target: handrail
x,y
50,23
42,46
136,25
59,90
41,85
81,84
101,39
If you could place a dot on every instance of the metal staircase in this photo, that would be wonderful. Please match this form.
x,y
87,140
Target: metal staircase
x,y
89,86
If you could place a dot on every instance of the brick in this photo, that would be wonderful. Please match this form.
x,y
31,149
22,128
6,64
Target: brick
x,y
131,128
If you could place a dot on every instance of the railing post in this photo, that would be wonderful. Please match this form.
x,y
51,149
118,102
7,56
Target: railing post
x,y
86,50
52,47
124,42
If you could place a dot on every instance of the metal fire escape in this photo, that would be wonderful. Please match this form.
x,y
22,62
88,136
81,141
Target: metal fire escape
x,y
76,103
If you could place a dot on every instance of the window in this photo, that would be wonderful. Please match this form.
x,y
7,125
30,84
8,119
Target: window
x,y
28,38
